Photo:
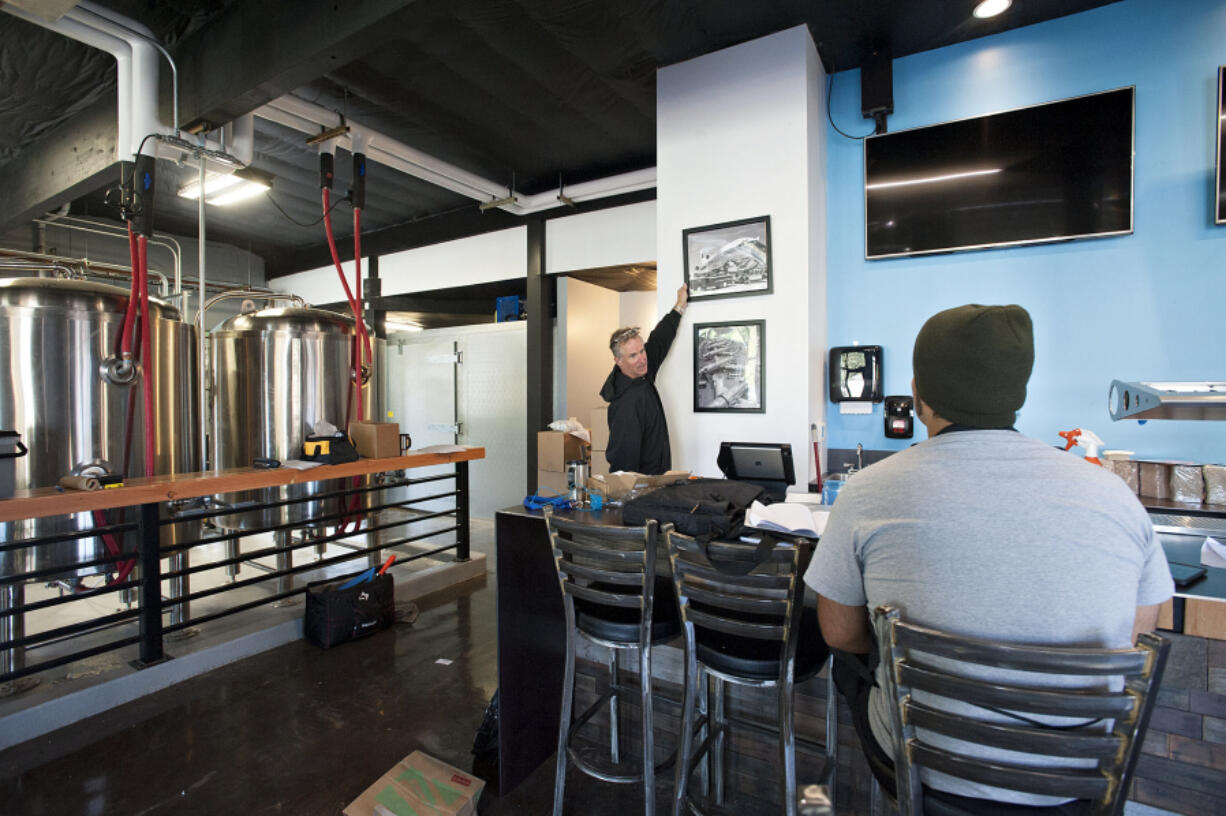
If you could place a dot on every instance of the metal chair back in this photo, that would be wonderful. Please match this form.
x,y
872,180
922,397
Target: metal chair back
x,y
1108,693
764,603
605,566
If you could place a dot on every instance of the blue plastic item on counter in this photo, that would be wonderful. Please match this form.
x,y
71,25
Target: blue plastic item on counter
x,y
539,502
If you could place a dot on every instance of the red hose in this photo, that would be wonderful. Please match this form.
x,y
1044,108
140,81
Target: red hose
x,y
340,271
357,315
129,318
112,547
146,356
361,340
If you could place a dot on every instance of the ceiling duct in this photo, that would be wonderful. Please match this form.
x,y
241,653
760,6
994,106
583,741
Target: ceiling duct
x,y
309,119
135,49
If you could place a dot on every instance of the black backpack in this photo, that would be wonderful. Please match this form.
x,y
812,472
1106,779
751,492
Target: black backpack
x,y
703,508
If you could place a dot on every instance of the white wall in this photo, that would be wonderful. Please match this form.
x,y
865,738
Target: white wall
x,y
740,134
492,256
614,237
318,286
637,309
591,316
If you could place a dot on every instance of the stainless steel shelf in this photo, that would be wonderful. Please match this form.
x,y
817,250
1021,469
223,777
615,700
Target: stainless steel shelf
x,y
1167,400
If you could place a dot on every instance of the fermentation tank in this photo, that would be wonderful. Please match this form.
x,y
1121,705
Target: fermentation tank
x,y
276,372
56,338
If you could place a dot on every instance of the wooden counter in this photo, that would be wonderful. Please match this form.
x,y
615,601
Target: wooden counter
x,y
50,501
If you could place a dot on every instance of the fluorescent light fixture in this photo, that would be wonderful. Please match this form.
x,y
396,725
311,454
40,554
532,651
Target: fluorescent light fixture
x,y
990,8
881,185
222,189
394,327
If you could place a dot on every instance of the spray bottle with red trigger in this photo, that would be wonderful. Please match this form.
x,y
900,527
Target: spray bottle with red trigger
x,y
1085,439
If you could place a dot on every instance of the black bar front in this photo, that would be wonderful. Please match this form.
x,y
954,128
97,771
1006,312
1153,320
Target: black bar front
x,y
461,508
150,585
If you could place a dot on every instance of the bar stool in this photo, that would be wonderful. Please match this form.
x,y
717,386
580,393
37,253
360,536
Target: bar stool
x,y
612,597
1006,716
750,629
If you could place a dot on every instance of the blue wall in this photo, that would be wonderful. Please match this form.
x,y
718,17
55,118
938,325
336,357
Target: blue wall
x,y
1147,306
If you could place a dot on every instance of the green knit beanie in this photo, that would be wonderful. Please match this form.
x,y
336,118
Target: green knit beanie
x,y
971,364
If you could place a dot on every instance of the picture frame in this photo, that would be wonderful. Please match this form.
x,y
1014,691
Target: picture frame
x,y
730,367
732,259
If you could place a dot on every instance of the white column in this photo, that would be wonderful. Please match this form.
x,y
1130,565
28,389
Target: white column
x,y
741,133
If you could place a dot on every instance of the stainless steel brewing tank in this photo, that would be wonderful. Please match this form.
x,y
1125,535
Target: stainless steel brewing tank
x,y
54,337
276,372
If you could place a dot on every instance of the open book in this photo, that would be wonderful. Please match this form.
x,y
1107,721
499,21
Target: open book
x,y
788,518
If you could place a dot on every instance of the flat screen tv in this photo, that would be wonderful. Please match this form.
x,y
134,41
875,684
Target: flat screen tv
x,y
1219,208
1049,172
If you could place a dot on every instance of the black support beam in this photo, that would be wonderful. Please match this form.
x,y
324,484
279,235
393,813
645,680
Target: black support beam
x,y
540,344
255,52
76,158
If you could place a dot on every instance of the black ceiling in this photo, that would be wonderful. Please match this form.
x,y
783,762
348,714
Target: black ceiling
x,y
526,92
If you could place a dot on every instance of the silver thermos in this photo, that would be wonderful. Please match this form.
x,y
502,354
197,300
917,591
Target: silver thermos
x,y
577,471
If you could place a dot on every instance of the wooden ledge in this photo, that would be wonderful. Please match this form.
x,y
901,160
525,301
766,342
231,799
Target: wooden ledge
x,y
49,501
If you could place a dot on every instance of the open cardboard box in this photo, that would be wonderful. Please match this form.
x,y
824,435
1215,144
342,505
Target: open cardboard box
x,y
422,785
615,486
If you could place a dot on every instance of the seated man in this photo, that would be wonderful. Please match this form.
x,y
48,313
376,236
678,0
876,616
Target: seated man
x,y
980,530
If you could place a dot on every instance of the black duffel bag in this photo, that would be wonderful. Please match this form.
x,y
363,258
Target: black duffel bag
x,y
703,508
336,616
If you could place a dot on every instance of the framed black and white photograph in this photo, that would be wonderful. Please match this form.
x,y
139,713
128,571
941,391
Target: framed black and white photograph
x,y
729,259
730,366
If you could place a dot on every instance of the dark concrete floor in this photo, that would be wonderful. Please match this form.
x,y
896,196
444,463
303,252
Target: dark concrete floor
x,y
294,730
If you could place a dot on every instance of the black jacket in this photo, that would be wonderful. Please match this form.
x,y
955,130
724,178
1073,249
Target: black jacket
x,y
638,432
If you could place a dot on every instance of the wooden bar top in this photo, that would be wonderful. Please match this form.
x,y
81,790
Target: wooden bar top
x,y
50,501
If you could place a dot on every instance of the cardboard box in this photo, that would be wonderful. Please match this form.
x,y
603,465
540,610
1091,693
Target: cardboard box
x,y
600,428
375,440
600,464
423,785
555,448
615,486
550,482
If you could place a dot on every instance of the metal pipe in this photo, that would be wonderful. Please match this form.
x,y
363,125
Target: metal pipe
x,y
201,355
254,295
12,627
174,255
99,228
36,266
284,560
96,269
84,267
180,589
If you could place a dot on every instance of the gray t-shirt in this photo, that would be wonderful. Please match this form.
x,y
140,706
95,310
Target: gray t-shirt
x,y
992,534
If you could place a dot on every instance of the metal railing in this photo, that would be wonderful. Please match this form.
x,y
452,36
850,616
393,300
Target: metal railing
x,y
149,544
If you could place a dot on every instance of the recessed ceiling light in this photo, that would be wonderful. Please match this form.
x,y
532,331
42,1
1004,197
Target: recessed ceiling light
x,y
990,8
